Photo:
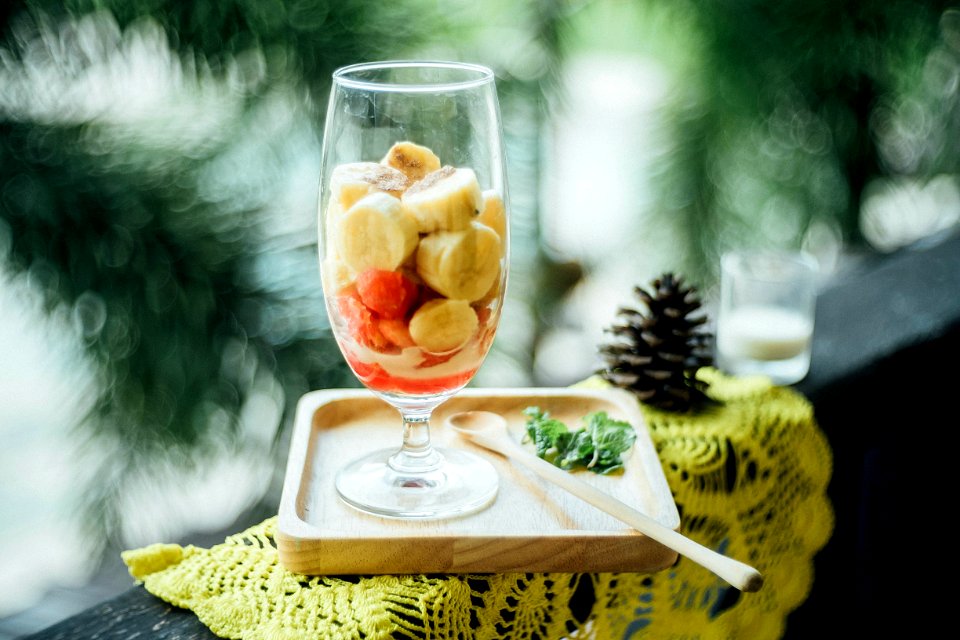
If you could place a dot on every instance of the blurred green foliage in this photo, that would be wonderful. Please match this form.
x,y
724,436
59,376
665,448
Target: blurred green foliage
x,y
306,39
782,114
157,271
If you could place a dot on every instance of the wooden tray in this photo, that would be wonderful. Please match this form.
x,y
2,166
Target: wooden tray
x,y
531,526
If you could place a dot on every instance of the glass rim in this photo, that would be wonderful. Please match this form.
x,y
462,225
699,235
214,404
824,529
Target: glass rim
x,y
342,75
801,260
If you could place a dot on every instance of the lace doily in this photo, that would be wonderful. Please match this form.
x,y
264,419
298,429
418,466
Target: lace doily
x,y
749,477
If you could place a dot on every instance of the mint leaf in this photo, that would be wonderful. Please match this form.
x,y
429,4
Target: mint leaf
x,y
598,446
610,438
580,448
549,436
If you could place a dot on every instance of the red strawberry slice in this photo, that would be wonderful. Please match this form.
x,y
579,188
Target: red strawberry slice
x,y
396,331
362,324
388,293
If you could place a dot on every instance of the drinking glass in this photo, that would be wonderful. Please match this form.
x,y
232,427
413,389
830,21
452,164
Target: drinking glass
x,y
414,240
766,316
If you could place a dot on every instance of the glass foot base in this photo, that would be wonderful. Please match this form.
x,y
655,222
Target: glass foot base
x,y
462,484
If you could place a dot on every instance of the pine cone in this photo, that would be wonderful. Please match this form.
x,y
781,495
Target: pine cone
x,y
656,355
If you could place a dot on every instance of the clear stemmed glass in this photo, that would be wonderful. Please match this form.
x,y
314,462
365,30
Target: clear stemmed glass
x,y
414,243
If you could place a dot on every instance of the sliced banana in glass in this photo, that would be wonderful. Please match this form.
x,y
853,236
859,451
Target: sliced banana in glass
x,y
376,233
442,325
460,264
414,160
335,275
446,200
351,181
493,213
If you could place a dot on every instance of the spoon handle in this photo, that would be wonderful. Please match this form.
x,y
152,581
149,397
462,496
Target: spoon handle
x,y
738,574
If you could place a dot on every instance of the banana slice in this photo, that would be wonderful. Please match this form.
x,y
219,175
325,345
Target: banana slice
x,y
330,222
375,233
460,264
493,213
445,200
492,293
443,325
335,275
354,180
414,160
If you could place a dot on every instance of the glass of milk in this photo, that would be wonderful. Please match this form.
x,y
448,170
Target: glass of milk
x,y
765,318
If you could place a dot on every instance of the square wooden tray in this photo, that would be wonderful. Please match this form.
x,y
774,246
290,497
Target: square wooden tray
x,y
531,526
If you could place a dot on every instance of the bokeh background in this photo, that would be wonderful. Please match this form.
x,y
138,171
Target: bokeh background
x,y
160,305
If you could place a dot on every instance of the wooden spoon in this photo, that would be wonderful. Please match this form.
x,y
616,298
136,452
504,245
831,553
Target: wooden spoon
x,y
489,430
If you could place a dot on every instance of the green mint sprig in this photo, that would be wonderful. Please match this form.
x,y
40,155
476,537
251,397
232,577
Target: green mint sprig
x,y
597,446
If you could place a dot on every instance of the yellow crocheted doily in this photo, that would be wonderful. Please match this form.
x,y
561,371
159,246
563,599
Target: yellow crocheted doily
x,y
749,477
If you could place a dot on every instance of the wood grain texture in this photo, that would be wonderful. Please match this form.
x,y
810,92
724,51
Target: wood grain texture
x,y
134,614
531,526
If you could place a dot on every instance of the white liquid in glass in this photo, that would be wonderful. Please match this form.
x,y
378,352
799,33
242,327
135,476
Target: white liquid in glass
x,y
765,340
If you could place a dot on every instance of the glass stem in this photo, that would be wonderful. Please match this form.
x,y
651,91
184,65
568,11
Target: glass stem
x,y
417,454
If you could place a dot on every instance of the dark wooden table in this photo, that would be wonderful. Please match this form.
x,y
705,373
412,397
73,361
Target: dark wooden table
x,y
882,332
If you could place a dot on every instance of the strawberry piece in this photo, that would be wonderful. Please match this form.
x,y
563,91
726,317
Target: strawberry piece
x,y
370,374
483,314
388,293
396,331
361,323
